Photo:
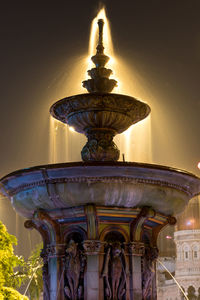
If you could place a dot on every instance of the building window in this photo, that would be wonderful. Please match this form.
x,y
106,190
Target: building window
x,y
195,251
186,250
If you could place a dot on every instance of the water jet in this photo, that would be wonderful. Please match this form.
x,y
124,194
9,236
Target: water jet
x,y
100,218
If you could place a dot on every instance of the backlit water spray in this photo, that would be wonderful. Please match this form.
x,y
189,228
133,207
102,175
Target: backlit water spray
x,y
173,278
135,143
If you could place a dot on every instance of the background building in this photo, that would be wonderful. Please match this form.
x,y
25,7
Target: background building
x,y
186,265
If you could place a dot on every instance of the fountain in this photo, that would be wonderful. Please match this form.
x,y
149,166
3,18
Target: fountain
x,y
100,218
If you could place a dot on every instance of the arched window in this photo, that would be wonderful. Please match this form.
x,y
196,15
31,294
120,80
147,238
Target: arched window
x,y
186,252
195,251
191,292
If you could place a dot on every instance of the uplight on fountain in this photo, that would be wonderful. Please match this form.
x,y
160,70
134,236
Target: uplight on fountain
x,y
100,218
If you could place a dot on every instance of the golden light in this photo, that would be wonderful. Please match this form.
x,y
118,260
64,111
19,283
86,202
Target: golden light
x,y
107,41
135,143
198,165
72,129
190,222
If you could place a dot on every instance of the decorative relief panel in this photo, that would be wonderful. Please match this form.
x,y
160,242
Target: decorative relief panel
x,y
114,272
149,274
75,262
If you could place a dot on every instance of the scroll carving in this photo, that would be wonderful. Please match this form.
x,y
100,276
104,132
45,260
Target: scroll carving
x,y
74,271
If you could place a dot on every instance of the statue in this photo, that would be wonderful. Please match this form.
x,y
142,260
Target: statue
x,y
114,272
74,270
149,274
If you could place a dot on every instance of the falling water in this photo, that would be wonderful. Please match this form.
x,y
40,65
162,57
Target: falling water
x,y
173,278
134,143
28,285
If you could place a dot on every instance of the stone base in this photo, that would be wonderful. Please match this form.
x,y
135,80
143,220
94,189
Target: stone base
x,y
97,252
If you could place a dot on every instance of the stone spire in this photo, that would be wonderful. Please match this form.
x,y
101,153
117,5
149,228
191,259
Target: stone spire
x,y
100,82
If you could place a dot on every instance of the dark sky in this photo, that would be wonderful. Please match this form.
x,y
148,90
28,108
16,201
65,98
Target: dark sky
x,y
161,39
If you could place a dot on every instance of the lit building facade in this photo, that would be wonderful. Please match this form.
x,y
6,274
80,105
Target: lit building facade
x,y
187,262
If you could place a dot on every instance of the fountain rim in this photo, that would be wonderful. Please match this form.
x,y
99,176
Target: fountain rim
x,y
99,164
131,175
72,97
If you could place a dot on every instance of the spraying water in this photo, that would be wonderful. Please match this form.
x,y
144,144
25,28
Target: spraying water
x,y
173,278
135,143
28,285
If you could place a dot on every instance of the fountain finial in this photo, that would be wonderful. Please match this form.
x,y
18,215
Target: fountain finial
x,y
100,82
100,47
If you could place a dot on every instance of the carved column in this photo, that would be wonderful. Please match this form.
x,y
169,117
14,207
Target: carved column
x,y
92,250
149,273
136,250
56,257
45,275
97,259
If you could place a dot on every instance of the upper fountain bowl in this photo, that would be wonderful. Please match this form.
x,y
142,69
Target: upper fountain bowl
x,y
117,184
97,110
100,116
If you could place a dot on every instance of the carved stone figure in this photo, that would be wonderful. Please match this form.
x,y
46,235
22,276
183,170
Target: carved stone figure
x,y
114,272
74,270
148,274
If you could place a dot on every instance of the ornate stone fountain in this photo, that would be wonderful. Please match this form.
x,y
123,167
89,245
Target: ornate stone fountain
x,y
100,218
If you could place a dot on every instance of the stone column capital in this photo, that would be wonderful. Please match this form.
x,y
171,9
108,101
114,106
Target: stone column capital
x,y
136,248
92,247
57,250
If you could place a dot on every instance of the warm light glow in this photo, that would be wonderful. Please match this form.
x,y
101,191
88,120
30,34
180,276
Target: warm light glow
x,y
107,41
198,165
135,143
168,237
59,135
72,129
190,222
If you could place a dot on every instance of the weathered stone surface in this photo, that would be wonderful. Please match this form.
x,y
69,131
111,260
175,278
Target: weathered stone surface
x,y
165,189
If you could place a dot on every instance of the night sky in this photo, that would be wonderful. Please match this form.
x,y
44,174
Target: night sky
x,y
42,40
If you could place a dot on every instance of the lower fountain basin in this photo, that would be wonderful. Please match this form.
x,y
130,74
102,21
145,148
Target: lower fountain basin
x,y
118,184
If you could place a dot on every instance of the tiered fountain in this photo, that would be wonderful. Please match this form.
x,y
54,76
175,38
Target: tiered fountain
x,y
99,219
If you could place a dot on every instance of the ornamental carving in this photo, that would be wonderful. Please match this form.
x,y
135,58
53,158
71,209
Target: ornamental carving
x,y
54,250
74,271
114,273
136,248
100,146
92,247
90,108
185,189
149,274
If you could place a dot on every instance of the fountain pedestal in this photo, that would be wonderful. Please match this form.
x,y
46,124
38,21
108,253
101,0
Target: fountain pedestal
x,y
103,250
99,223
